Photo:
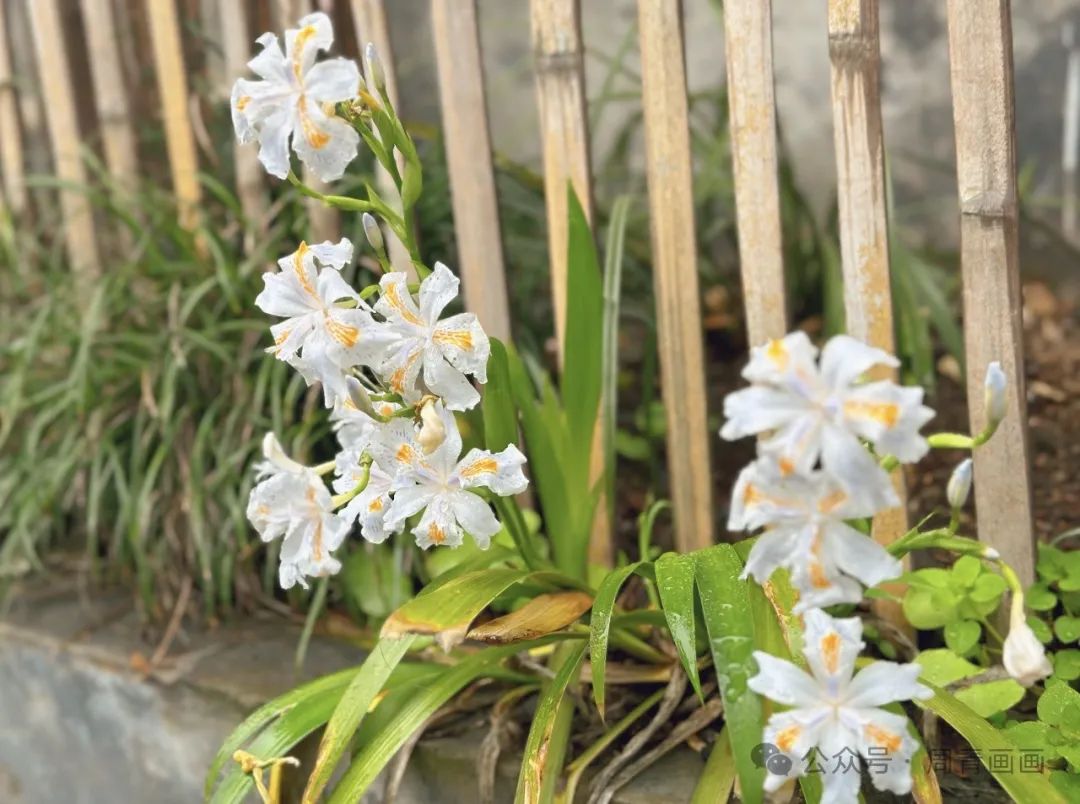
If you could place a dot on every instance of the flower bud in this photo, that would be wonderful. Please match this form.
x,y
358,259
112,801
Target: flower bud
x,y
1023,655
432,429
276,457
994,398
358,397
373,232
375,75
959,486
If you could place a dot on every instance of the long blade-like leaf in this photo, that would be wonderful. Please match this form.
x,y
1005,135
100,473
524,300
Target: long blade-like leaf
x,y
675,582
729,620
539,761
354,704
500,419
372,757
600,626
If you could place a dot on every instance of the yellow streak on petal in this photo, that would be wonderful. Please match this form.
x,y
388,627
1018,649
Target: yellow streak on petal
x,y
887,413
461,338
818,578
786,466
785,740
315,136
242,102
303,36
777,353
301,273
344,334
830,651
484,466
436,534
375,505
317,539
405,454
393,298
833,501
883,738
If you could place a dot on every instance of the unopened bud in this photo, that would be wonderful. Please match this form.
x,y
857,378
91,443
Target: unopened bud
x,y
432,429
1022,654
359,397
994,398
375,75
373,232
276,457
959,486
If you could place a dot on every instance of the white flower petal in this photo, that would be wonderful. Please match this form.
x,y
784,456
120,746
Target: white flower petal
x,y
475,517
404,504
444,457
844,359
831,646
269,63
757,409
783,682
463,342
325,144
840,783
887,746
438,527
446,381
772,550
333,255
500,472
889,416
781,360
860,556
436,291
794,732
303,44
274,141
395,302
332,81
856,470
885,682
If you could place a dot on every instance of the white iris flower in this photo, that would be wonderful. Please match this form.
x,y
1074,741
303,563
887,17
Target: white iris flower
x,y
370,505
806,412
291,501
431,355
835,714
443,487
295,100
321,338
805,532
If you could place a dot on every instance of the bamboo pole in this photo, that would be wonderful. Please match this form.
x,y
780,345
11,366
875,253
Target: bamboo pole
x,y
173,89
11,152
748,50
236,44
468,156
981,69
855,54
114,115
78,219
560,90
369,22
678,312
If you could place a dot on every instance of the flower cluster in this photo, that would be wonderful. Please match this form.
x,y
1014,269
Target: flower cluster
x,y
392,372
813,477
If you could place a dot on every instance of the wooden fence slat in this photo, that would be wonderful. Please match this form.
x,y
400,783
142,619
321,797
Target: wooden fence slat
x,y
468,157
748,50
237,45
855,55
369,22
11,153
114,114
78,219
981,69
176,115
678,312
560,88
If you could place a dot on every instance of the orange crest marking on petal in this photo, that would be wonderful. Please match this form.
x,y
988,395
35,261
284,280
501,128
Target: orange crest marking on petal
x,y
436,534
483,466
242,102
397,379
303,36
375,505
883,738
301,272
818,578
344,334
315,136
886,413
393,298
830,651
786,466
317,537
777,353
750,494
831,502
405,454
785,740
462,339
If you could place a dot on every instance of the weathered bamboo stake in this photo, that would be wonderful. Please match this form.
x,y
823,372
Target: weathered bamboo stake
x,y
748,50
560,89
324,221
369,22
78,219
981,68
236,43
678,312
468,156
176,117
855,54
11,154
114,115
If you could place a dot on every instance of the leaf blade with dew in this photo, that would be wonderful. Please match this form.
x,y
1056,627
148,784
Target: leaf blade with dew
x,y
600,626
675,583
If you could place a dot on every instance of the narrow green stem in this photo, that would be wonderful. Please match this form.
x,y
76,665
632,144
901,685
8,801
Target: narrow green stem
x,y
314,610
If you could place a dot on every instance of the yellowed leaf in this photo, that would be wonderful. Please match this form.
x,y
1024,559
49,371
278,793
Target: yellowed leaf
x,y
541,615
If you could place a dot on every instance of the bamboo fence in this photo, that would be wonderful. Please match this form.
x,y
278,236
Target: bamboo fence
x,y
981,73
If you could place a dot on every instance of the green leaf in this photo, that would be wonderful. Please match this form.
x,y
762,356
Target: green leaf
x,y
985,739
943,667
448,611
380,749
1041,629
609,391
988,587
600,625
350,711
992,697
583,350
928,608
1067,629
966,570
266,714
962,635
1067,664
540,768
729,621
718,778
1054,702
500,419
1040,598
675,582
